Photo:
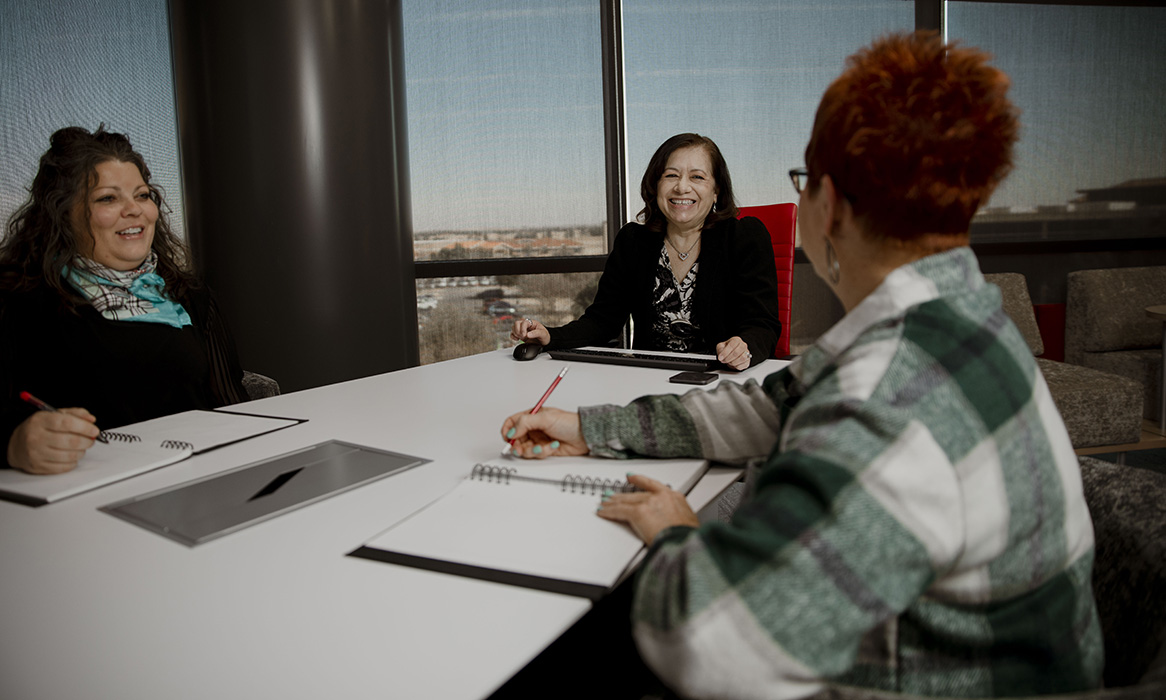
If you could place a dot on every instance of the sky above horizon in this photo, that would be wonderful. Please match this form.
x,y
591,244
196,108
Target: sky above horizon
x,y
505,99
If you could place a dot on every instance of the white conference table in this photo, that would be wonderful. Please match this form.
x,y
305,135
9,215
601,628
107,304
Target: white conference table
x,y
92,606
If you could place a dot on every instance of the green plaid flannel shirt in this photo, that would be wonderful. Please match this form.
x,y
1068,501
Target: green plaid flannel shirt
x,y
913,519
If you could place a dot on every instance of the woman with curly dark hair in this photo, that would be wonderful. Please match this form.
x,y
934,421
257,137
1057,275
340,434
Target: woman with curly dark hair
x,y
913,517
691,276
99,308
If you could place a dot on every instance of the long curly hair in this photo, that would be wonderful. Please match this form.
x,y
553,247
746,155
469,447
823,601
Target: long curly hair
x,y
41,236
726,204
916,134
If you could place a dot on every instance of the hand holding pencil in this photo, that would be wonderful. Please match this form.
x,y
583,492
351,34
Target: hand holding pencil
x,y
542,432
51,441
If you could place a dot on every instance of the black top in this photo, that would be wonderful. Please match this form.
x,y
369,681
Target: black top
x,y
120,371
674,325
736,291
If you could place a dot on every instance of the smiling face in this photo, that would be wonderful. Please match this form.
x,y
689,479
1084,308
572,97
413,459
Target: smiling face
x,y
686,191
121,217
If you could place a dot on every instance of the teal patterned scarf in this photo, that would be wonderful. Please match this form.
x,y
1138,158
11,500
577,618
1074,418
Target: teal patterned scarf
x,y
130,295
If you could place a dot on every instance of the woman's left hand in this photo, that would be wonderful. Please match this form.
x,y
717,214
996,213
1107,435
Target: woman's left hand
x,y
650,511
734,353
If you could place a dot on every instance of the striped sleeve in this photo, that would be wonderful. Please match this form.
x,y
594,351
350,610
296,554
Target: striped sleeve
x,y
732,424
823,553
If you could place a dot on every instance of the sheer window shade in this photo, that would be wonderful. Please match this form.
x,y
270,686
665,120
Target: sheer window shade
x,y
81,63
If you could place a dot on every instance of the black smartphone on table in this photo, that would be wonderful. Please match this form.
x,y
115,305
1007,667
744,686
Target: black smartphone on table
x,y
692,378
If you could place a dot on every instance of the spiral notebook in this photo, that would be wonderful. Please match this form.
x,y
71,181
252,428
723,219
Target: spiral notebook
x,y
529,524
138,448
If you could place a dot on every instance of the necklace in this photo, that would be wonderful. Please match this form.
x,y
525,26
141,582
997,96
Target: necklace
x,y
683,256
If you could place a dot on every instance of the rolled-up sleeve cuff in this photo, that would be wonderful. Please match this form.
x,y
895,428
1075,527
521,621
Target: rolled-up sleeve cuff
x,y
599,431
676,533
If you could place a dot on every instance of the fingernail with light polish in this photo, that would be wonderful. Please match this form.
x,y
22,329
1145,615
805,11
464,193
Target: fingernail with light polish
x,y
538,449
510,433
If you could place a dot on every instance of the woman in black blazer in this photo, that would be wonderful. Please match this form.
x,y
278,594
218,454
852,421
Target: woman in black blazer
x,y
691,275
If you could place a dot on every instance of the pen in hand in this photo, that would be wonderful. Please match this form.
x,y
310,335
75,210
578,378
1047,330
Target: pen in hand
x,y
41,405
537,406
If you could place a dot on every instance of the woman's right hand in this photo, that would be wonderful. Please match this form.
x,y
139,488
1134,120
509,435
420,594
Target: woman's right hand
x,y
52,442
549,432
529,331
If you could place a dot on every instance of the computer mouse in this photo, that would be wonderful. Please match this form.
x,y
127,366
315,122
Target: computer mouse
x,y
527,351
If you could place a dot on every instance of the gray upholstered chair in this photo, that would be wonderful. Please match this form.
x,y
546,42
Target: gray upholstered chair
x,y
1128,506
1106,327
259,386
1099,408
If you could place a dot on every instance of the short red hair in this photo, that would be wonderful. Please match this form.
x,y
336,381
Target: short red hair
x,y
916,135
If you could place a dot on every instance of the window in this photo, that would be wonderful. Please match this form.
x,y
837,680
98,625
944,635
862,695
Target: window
x,y
505,128
81,63
458,316
1090,83
507,144
506,151
747,75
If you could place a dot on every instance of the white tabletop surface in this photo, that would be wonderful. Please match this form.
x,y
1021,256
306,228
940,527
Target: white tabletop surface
x,y
94,607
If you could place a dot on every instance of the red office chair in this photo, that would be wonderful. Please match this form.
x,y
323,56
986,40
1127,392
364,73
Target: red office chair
x,y
781,222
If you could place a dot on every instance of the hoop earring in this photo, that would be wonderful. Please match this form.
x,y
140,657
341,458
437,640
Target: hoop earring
x,y
833,269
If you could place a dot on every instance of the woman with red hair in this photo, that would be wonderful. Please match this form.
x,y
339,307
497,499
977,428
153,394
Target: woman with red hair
x,y
913,517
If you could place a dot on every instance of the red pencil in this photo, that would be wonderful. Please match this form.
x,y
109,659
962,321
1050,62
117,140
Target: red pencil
x,y
546,394
550,388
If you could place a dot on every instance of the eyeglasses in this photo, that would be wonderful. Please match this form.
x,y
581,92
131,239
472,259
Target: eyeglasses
x,y
801,179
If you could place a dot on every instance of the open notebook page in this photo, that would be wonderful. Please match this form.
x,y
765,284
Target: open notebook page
x,y
138,448
530,533
102,464
202,430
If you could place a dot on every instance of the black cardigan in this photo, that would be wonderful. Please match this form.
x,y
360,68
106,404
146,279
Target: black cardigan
x,y
121,371
736,291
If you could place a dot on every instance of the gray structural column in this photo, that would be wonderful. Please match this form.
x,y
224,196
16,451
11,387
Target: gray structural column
x,y
291,120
